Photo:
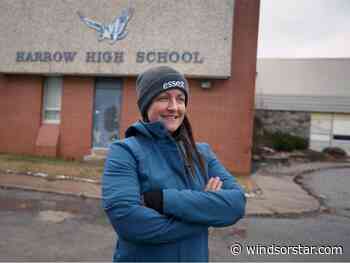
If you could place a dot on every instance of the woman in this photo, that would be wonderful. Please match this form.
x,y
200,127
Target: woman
x,y
161,191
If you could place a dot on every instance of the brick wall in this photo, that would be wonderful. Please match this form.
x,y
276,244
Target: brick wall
x,y
20,109
221,116
76,117
129,111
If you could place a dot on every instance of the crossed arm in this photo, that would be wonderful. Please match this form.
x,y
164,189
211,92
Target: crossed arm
x,y
122,203
221,203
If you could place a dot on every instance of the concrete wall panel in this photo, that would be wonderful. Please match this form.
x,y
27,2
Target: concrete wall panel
x,y
49,36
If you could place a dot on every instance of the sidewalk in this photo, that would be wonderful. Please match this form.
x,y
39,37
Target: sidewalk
x,y
277,194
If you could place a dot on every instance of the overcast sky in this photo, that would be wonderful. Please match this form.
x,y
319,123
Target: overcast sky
x,y
304,28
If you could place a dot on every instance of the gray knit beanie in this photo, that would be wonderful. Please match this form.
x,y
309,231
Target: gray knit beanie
x,y
156,80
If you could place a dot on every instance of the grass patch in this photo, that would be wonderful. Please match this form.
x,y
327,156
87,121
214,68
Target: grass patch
x,y
50,166
287,142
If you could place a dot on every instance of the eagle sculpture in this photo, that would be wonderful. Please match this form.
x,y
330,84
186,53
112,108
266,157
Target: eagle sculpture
x,y
114,31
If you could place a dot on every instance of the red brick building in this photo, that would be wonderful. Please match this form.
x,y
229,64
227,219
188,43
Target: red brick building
x,y
49,106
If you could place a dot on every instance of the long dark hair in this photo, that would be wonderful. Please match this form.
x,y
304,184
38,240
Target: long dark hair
x,y
185,134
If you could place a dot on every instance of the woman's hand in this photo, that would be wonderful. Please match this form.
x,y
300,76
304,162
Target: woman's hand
x,y
214,184
154,200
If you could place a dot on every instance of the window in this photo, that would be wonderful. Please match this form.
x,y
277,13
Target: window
x,y
52,99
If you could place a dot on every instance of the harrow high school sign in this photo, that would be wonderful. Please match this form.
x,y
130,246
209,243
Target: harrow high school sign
x,y
116,38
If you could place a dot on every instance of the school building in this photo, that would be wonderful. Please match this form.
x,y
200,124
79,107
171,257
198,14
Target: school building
x,y
68,71
308,97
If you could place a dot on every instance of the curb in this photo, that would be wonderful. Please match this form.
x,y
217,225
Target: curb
x,y
40,182
54,178
35,189
296,178
334,165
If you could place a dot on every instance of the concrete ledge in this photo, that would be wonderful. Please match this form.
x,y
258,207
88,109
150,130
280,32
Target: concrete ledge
x,y
70,187
47,140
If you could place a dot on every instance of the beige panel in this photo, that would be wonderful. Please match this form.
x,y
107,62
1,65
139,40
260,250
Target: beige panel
x,y
341,124
320,131
320,137
321,124
318,145
198,30
324,126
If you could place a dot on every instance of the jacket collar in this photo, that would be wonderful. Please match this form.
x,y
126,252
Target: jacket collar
x,y
148,129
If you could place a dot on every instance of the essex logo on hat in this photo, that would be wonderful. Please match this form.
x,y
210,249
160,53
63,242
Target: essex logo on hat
x,y
174,83
114,31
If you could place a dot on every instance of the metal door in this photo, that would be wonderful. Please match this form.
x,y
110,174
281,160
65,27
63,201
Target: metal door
x,y
108,93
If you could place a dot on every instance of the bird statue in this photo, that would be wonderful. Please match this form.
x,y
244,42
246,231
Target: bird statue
x,y
114,31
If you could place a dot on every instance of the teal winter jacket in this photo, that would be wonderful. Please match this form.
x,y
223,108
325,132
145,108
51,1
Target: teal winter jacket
x,y
148,159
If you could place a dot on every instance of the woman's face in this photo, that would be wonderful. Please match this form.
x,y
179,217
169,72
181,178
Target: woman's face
x,y
168,107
